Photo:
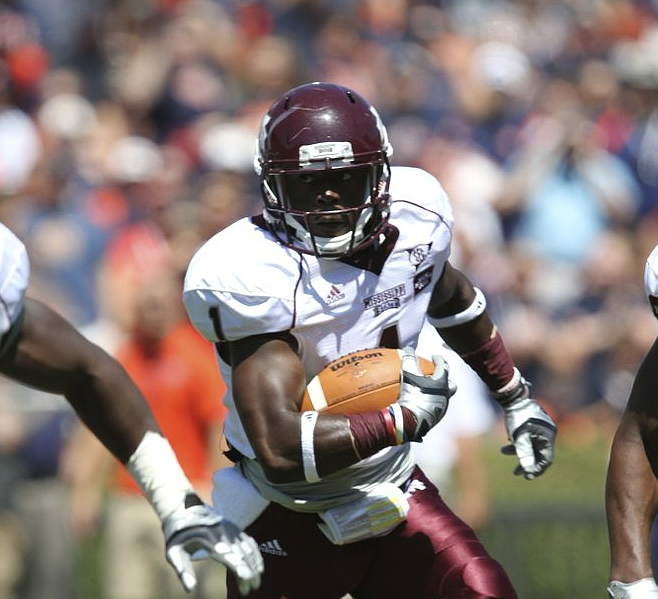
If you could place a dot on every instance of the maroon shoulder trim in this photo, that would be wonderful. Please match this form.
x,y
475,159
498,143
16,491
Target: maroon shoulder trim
x,y
375,255
371,258
259,221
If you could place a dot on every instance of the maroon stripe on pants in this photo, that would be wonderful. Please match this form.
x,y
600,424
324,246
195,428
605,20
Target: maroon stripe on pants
x,y
433,555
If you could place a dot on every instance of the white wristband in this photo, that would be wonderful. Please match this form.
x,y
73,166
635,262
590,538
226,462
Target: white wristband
x,y
308,449
156,470
478,305
398,422
644,588
512,383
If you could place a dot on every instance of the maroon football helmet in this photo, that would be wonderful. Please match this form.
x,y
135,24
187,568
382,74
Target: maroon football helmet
x,y
323,163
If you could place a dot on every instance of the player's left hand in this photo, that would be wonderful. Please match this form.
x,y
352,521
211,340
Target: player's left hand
x,y
195,528
426,397
529,428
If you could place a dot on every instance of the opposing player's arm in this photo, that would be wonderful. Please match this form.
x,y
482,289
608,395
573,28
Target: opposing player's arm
x,y
642,408
268,383
631,493
458,311
631,485
46,352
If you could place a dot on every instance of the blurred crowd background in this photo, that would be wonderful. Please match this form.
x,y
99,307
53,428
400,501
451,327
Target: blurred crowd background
x,y
127,135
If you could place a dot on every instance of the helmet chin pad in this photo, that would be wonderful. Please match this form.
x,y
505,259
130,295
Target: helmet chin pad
x,y
330,247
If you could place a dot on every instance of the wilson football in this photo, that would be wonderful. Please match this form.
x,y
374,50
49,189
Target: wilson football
x,y
358,382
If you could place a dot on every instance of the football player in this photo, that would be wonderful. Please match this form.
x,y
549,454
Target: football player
x,y
349,253
41,349
631,486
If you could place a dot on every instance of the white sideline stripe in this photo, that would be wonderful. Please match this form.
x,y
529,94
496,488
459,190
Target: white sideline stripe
x,y
316,394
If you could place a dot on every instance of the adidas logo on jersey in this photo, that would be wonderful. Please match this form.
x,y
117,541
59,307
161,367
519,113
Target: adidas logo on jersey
x,y
414,485
335,294
273,547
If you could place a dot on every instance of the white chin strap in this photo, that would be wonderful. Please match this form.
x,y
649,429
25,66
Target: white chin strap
x,y
328,247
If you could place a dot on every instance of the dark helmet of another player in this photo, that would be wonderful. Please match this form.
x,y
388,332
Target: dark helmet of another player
x,y
322,159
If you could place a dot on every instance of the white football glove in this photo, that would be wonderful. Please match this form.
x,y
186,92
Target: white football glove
x,y
529,428
645,588
197,529
425,396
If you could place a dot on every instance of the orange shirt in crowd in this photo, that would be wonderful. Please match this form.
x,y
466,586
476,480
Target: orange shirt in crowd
x,y
182,385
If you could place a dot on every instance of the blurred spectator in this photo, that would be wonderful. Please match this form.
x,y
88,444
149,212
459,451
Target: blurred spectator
x,y
346,58
13,539
65,242
139,171
223,198
20,146
582,354
563,192
176,371
473,182
38,558
268,68
23,59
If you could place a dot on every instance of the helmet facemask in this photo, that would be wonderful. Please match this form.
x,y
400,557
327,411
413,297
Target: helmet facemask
x,y
328,212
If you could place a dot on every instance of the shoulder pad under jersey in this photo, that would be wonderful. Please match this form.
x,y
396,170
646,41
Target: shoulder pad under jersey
x,y
417,195
241,282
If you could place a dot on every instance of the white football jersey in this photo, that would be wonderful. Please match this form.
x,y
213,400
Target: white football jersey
x,y
651,279
243,282
14,274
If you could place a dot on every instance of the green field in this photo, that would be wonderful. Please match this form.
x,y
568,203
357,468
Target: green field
x,y
550,533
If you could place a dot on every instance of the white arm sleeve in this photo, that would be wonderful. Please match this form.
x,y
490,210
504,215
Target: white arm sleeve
x,y
156,470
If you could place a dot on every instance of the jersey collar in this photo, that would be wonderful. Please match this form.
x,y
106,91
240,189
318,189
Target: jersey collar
x,y
371,258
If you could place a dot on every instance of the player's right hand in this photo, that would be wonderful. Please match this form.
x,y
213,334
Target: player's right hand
x,y
645,588
198,529
425,396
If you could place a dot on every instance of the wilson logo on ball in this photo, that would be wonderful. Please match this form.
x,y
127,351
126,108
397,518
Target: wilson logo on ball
x,y
358,382
353,359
